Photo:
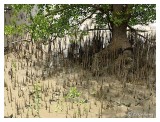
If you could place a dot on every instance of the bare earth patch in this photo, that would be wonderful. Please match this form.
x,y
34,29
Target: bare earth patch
x,y
28,94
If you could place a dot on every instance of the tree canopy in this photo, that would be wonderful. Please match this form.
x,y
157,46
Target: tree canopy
x,y
62,19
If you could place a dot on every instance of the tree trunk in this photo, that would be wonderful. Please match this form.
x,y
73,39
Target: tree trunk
x,y
119,36
118,48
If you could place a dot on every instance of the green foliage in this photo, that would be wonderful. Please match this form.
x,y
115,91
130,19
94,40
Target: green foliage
x,y
8,30
14,64
73,93
62,19
39,27
11,29
37,91
117,21
143,14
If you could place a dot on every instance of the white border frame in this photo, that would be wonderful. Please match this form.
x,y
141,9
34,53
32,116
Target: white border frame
x,y
2,2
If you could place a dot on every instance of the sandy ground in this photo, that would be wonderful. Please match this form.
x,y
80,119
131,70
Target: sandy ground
x,y
103,97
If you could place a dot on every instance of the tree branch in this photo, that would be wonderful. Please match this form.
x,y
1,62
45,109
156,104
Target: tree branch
x,y
135,31
82,21
56,11
98,7
98,29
